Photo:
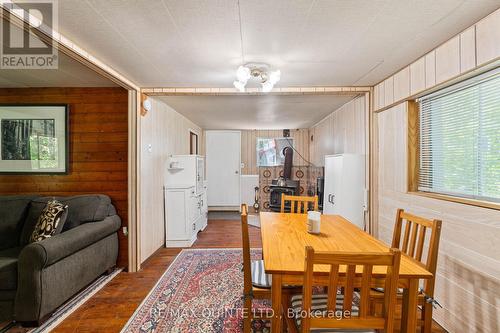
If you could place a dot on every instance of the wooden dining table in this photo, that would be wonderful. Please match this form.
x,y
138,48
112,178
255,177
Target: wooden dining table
x,y
285,236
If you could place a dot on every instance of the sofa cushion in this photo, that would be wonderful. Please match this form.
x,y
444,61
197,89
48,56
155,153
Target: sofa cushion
x,y
13,212
50,222
8,268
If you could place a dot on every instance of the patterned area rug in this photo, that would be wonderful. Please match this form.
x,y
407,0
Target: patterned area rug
x,y
201,291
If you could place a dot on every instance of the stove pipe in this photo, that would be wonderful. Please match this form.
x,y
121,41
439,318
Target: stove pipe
x,y
287,168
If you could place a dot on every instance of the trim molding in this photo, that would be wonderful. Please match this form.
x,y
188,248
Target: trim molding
x,y
198,91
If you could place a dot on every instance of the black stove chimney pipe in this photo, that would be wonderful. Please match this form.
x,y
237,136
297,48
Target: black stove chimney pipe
x,y
287,168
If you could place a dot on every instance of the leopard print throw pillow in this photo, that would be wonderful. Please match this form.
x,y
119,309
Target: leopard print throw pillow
x,y
50,219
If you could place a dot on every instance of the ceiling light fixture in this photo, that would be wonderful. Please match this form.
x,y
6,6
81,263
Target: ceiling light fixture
x,y
261,72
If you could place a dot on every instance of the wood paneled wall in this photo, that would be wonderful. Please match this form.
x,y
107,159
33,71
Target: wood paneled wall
x,y
98,148
468,284
249,148
168,134
475,46
343,131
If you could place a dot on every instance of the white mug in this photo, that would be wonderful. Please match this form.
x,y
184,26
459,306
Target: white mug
x,y
313,222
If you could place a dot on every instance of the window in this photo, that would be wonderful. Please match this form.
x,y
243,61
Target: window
x,y
460,139
270,150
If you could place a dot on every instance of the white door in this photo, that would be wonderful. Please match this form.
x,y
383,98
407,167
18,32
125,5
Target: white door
x,y
223,155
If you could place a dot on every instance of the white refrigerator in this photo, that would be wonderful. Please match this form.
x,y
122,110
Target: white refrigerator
x,y
345,192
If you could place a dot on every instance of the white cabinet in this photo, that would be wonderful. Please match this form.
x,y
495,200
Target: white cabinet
x,y
180,215
448,60
488,38
186,210
345,187
186,214
186,170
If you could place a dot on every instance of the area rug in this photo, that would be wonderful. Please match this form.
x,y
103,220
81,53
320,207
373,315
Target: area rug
x,y
67,308
201,291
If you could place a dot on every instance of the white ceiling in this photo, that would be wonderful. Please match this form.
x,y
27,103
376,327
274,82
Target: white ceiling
x,y
256,111
323,42
70,73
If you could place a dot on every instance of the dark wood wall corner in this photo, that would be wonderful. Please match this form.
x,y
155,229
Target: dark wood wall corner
x,y
98,130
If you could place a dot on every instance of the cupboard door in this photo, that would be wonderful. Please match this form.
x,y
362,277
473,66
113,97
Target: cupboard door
x,y
389,91
448,60
177,224
417,76
468,49
488,38
381,95
333,182
200,171
402,84
430,69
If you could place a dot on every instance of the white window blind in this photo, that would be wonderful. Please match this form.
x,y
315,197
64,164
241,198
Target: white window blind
x,y
460,139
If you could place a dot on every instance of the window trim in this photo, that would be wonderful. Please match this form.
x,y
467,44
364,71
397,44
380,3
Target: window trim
x,y
413,153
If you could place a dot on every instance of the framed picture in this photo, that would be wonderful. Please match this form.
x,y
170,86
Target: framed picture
x,y
34,139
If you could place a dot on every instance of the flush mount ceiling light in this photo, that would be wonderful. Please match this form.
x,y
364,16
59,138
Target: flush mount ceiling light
x,y
260,72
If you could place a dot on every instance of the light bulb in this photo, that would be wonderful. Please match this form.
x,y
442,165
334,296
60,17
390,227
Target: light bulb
x,y
243,74
267,86
275,76
239,85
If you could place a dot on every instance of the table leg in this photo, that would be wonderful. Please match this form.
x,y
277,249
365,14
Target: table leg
x,y
276,303
409,310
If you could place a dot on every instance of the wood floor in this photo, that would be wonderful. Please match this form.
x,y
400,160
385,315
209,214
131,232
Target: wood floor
x,y
111,307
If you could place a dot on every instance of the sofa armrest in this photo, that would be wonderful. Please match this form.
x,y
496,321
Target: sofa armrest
x,y
44,253
42,266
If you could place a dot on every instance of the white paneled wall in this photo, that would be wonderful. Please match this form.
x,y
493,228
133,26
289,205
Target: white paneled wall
x,y
468,284
468,280
475,46
164,132
343,131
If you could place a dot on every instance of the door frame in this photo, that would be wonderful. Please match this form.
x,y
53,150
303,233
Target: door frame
x,y
229,208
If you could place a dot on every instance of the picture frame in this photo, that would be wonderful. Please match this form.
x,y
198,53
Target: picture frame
x,y
34,139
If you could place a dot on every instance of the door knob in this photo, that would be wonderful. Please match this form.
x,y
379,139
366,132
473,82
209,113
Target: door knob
x,y
236,172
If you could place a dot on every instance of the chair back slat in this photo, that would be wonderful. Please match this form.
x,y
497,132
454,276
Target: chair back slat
x,y
247,273
406,237
414,242
332,287
349,287
420,243
298,204
364,305
350,283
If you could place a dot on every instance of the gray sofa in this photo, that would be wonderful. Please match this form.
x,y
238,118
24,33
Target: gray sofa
x,y
36,278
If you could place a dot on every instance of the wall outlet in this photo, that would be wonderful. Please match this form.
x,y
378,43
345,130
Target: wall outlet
x,y
125,231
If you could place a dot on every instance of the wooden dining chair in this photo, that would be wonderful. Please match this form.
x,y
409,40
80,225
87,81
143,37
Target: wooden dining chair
x,y
350,310
256,284
412,241
298,204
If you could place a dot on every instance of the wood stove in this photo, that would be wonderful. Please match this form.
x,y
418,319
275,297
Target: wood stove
x,y
285,185
292,188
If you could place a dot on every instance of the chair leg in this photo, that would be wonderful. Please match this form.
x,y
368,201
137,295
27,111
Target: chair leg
x,y
427,316
247,316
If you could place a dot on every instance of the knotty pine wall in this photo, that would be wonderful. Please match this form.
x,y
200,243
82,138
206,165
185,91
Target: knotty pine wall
x,y
98,148
249,147
168,133
343,131
468,276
